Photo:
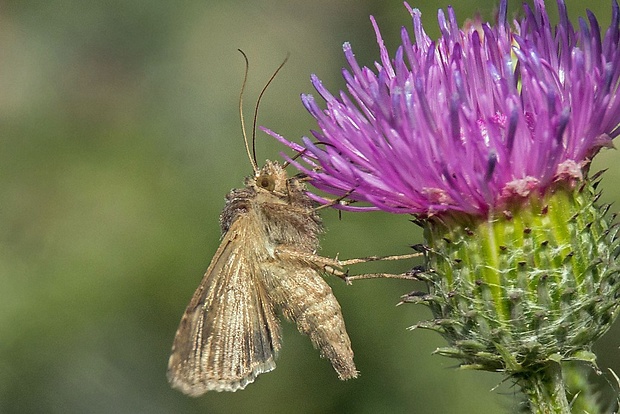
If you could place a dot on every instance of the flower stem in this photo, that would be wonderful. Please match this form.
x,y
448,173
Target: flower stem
x,y
545,390
581,392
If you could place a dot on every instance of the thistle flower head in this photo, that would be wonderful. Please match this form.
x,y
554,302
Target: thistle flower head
x,y
484,116
486,135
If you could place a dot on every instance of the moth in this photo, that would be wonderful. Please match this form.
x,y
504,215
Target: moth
x,y
266,262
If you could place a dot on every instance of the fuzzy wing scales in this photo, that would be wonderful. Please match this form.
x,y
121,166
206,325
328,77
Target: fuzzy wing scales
x,y
229,333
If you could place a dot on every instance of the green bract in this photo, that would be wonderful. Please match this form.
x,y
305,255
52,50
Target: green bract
x,y
523,287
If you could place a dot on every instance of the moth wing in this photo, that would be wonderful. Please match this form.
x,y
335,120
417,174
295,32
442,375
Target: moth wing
x,y
229,333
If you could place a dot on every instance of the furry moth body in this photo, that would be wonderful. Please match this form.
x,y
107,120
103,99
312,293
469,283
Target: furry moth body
x,y
266,262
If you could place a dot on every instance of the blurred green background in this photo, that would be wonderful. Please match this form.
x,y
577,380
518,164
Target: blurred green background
x,y
119,140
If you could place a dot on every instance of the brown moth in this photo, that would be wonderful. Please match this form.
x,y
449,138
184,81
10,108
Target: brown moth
x,y
265,263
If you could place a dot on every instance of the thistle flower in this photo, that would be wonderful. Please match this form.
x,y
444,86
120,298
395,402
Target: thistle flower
x,y
486,136
470,121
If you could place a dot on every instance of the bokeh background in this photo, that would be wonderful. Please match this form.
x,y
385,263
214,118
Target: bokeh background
x,y
119,138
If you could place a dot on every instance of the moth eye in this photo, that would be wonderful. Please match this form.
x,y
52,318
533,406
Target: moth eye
x,y
267,183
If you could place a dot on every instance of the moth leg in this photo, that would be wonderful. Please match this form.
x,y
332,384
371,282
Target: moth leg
x,y
411,275
404,276
350,262
339,201
311,258
320,263
292,253
334,266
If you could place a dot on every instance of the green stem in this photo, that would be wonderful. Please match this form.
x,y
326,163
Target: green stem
x,y
583,395
545,390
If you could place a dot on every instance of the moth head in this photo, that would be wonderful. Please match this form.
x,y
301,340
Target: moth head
x,y
272,178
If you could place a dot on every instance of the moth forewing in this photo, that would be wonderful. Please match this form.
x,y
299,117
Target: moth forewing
x,y
229,333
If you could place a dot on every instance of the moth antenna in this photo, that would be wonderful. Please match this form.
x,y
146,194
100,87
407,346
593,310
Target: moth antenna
x,y
245,137
260,96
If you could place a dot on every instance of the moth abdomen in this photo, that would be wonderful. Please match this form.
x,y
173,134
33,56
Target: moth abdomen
x,y
305,298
